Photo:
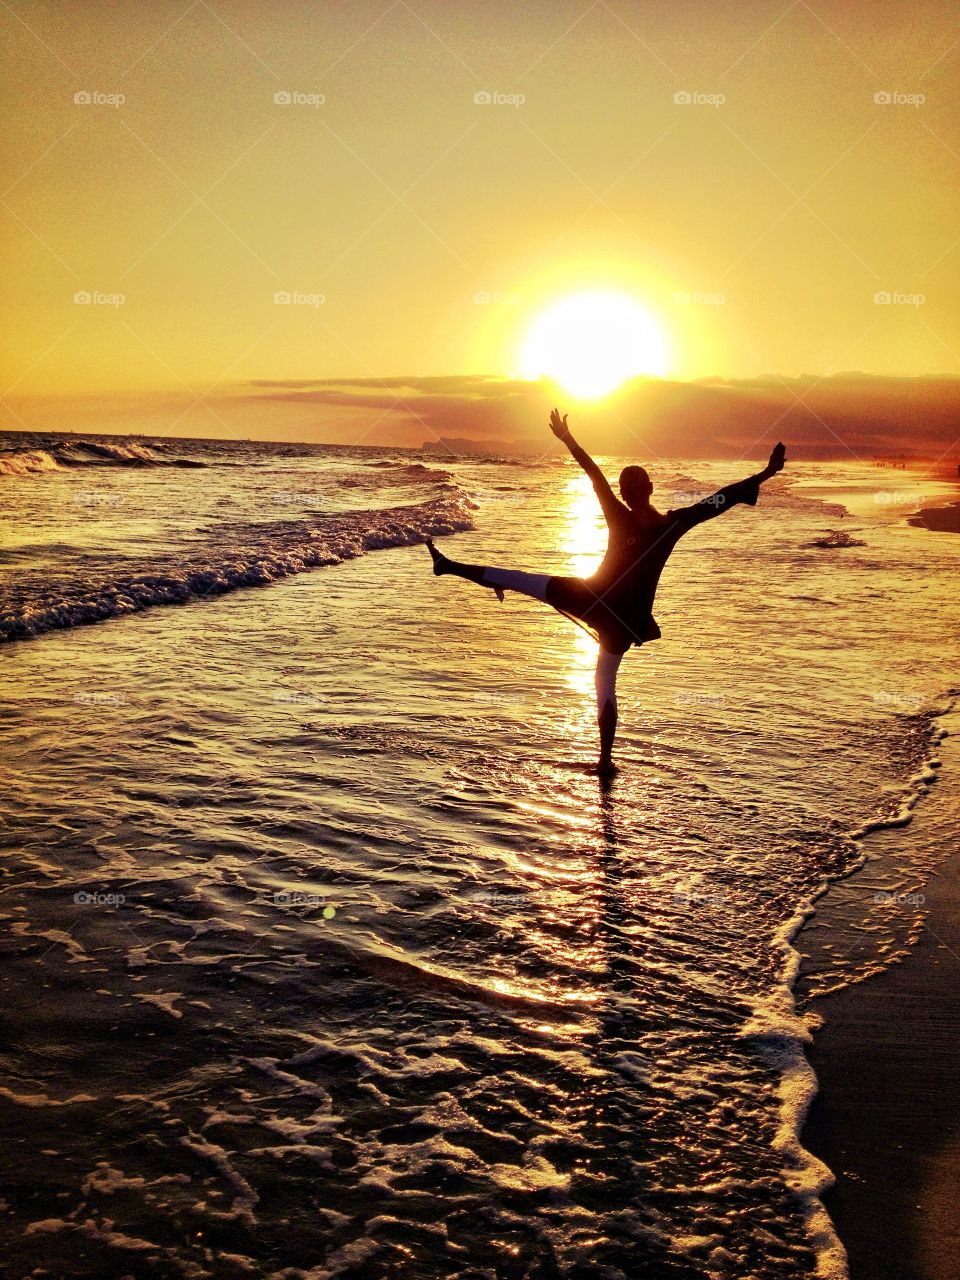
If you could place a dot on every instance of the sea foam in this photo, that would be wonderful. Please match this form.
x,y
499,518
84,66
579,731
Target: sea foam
x,y
248,556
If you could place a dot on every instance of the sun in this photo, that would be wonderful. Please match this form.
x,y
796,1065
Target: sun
x,y
590,343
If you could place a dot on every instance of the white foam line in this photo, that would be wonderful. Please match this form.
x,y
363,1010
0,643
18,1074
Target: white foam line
x,y
42,1099
246,1197
781,1035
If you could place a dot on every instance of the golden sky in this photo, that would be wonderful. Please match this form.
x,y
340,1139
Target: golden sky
x,y
755,174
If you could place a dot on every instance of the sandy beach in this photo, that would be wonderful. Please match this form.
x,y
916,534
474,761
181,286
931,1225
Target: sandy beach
x,y
939,519
886,1118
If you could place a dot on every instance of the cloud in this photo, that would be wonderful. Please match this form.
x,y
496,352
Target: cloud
x,y
846,415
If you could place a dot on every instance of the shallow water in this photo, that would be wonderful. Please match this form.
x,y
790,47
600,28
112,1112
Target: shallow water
x,y
394,987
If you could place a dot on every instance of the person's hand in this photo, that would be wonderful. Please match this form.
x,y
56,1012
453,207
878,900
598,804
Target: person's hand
x,y
777,459
558,425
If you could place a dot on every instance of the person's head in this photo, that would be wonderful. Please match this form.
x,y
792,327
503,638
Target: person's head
x,y
635,486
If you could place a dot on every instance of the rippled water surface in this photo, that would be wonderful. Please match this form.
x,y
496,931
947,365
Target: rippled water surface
x,y
325,956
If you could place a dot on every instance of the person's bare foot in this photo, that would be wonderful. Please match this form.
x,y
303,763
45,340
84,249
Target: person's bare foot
x,y
443,564
438,558
775,465
605,769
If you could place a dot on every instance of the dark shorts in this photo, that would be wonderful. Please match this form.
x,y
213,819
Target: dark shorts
x,y
613,621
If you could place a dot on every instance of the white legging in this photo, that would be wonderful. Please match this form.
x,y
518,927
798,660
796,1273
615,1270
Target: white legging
x,y
608,664
529,584
535,584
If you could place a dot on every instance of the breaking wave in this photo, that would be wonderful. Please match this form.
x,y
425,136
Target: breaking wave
x,y
88,453
250,556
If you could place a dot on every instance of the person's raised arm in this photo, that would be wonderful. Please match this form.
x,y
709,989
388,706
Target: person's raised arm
x,y
608,499
740,491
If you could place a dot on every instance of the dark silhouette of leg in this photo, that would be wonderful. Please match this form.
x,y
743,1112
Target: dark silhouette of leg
x,y
607,666
607,721
537,585
443,564
498,580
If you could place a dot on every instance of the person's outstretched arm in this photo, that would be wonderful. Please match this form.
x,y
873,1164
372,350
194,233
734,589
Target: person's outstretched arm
x,y
611,504
741,491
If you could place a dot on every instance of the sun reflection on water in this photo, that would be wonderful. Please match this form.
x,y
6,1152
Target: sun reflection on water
x,y
583,532
583,538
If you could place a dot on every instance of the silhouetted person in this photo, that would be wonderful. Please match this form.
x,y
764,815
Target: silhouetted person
x,y
615,604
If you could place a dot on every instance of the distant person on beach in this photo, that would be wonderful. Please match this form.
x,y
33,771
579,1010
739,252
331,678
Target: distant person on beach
x,y
615,604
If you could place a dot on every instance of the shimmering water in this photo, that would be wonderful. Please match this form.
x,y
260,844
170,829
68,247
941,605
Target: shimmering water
x,y
324,956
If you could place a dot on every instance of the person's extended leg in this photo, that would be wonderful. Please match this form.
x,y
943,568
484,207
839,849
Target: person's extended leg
x,y
528,584
608,664
500,580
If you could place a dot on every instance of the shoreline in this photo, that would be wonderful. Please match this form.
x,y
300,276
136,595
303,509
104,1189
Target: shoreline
x,y
940,517
885,1119
937,519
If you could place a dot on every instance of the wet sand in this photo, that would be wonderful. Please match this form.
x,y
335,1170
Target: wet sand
x,y
887,1117
938,519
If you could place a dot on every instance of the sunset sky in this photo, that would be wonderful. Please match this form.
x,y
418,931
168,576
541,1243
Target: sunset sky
x,y
419,233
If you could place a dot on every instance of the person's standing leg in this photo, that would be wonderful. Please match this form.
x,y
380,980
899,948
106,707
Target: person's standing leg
x,y
608,664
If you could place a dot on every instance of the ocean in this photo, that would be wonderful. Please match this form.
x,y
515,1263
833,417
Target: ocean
x,y
324,954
